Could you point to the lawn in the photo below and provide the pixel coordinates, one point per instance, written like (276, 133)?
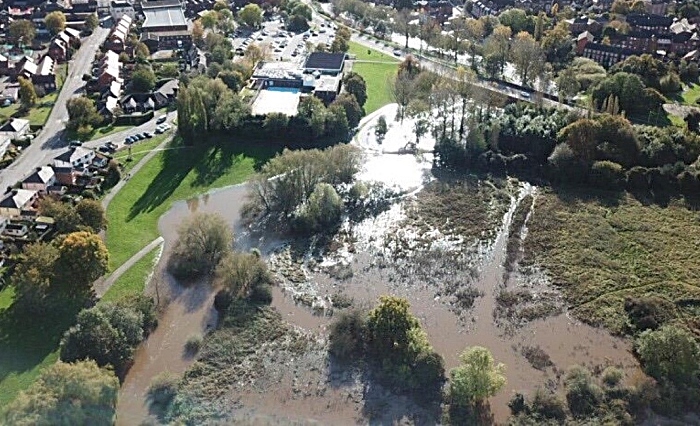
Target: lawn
(174, 174)
(378, 76)
(138, 151)
(601, 248)
(39, 113)
(691, 95)
(134, 279)
(106, 131)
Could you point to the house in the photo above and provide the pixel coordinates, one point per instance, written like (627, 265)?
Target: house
(108, 76)
(325, 63)
(66, 175)
(17, 230)
(4, 64)
(76, 158)
(606, 55)
(10, 93)
(109, 107)
(117, 38)
(25, 67)
(119, 8)
(40, 180)
(72, 33)
(45, 76)
(15, 128)
(138, 102)
(583, 39)
(166, 94)
(657, 23)
(17, 201)
(58, 50)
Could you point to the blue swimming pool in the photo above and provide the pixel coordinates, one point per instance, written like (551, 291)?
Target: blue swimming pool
(283, 89)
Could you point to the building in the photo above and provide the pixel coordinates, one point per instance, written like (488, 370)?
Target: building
(325, 63)
(5, 143)
(606, 55)
(17, 230)
(75, 158)
(15, 128)
(119, 8)
(657, 23)
(40, 180)
(165, 26)
(117, 38)
(109, 71)
(17, 202)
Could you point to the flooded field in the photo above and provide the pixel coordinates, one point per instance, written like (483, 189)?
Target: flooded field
(453, 275)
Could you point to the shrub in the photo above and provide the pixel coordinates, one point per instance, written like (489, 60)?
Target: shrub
(648, 312)
(607, 175)
(203, 240)
(261, 294)
(163, 388)
(347, 335)
(583, 396)
(222, 300)
(193, 344)
(548, 405)
(612, 376)
(670, 353)
(321, 212)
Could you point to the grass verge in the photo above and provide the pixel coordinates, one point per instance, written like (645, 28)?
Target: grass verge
(39, 113)
(133, 281)
(173, 174)
(601, 248)
(378, 76)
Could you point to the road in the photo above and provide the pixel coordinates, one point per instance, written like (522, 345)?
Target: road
(50, 141)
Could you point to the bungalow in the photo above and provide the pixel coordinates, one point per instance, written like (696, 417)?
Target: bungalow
(40, 180)
(76, 158)
(18, 201)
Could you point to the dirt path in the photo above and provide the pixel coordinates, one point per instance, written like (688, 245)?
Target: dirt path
(103, 285)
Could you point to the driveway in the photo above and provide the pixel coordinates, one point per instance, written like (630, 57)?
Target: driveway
(50, 141)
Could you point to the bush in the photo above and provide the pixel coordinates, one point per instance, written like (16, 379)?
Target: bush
(321, 212)
(193, 344)
(648, 312)
(203, 240)
(607, 175)
(583, 396)
(612, 376)
(163, 388)
(548, 405)
(347, 335)
(222, 300)
(261, 294)
(670, 353)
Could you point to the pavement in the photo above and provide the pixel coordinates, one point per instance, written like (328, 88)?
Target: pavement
(52, 139)
(101, 286)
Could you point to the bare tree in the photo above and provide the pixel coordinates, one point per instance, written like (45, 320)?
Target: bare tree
(527, 57)
(402, 92)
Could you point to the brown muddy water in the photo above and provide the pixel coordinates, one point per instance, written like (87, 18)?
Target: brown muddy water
(565, 340)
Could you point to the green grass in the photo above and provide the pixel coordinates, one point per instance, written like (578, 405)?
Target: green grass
(172, 175)
(133, 281)
(39, 113)
(378, 76)
(138, 151)
(600, 249)
(7, 295)
(691, 95)
(106, 131)
(363, 53)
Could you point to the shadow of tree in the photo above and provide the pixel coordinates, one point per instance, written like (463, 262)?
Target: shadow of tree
(26, 339)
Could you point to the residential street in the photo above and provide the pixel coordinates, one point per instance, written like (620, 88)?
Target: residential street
(50, 141)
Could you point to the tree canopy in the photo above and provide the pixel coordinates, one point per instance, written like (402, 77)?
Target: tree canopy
(477, 378)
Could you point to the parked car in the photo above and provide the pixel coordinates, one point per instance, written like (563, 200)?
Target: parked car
(104, 149)
(397, 52)
(75, 143)
(128, 140)
(147, 135)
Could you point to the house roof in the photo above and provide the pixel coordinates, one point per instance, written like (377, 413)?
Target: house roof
(3, 58)
(160, 3)
(115, 88)
(46, 66)
(325, 61)
(111, 104)
(29, 67)
(585, 35)
(72, 32)
(17, 199)
(169, 88)
(41, 175)
(71, 155)
(14, 125)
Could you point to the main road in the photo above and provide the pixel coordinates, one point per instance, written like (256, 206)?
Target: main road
(51, 140)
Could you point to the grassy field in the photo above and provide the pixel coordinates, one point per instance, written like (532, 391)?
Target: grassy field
(38, 114)
(600, 250)
(378, 76)
(174, 174)
(133, 280)
(691, 94)
(138, 151)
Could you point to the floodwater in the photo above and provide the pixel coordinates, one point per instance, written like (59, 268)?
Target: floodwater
(565, 340)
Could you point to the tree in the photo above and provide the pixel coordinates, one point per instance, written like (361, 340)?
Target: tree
(669, 353)
(209, 19)
(239, 273)
(582, 394)
(339, 45)
(567, 84)
(234, 80)
(107, 333)
(402, 92)
(389, 326)
(198, 33)
(80, 393)
(33, 275)
(141, 50)
(297, 23)
(27, 94)
(91, 214)
(65, 215)
(143, 80)
(558, 46)
(517, 20)
(474, 31)
(21, 32)
(527, 57)
(203, 240)
(477, 378)
(81, 113)
(251, 15)
(91, 22)
(497, 47)
(82, 259)
(353, 110)
(321, 212)
(55, 22)
(380, 128)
